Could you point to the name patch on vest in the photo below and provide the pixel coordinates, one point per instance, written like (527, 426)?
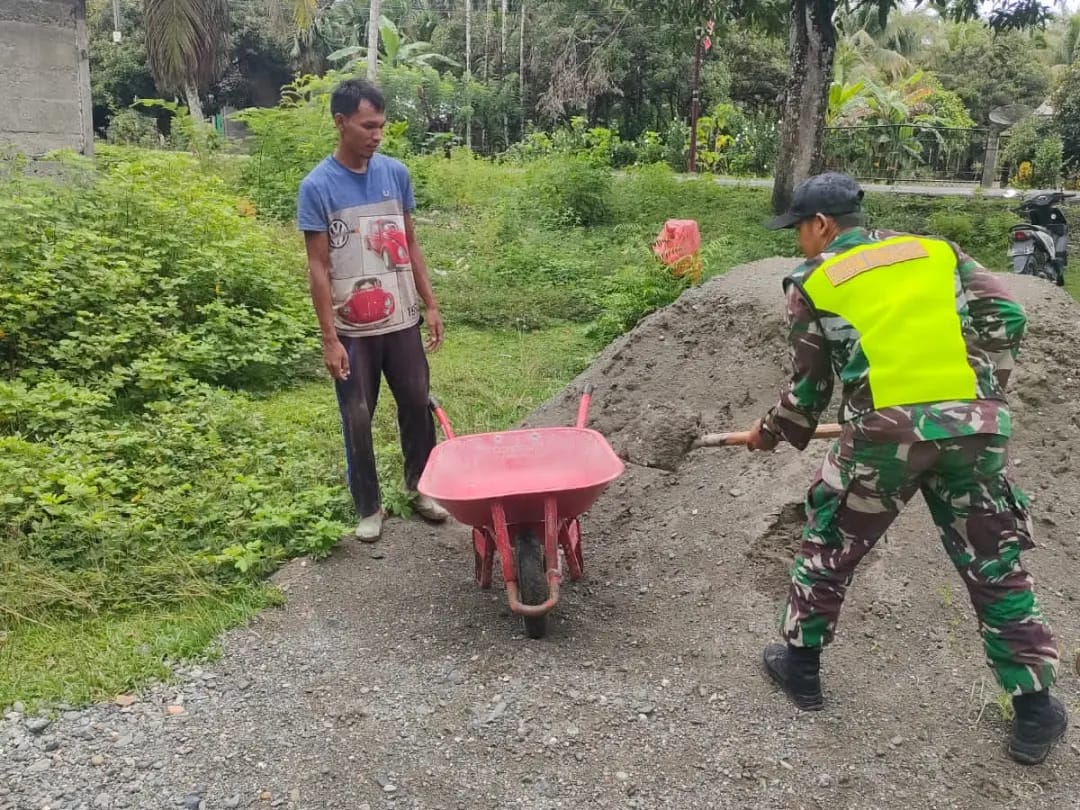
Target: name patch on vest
(850, 266)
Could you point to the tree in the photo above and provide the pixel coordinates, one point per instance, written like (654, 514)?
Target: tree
(989, 70)
(882, 52)
(186, 42)
(696, 21)
(758, 67)
(118, 71)
(811, 48)
(396, 51)
(468, 68)
(1068, 50)
(1067, 117)
(258, 59)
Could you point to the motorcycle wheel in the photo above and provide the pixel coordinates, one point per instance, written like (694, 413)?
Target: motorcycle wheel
(1041, 267)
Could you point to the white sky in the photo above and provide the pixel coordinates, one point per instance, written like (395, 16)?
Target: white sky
(1062, 6)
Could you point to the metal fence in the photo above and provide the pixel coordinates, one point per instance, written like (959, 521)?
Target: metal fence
(888, 153)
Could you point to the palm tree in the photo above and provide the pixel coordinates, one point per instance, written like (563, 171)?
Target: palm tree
(882, 52)
(186, 42)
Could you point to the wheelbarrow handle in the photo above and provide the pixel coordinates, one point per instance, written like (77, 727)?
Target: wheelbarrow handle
(583, 406)
(440, 414)
(829, 431)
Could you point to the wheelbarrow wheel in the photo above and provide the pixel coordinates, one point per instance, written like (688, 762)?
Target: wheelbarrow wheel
(532, 579)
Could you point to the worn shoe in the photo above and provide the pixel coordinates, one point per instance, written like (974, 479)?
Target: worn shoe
(369, 529)
(796, 670)
(1041, 720)
(427, 508)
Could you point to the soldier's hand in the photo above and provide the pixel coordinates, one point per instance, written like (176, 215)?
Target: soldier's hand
(760, 439)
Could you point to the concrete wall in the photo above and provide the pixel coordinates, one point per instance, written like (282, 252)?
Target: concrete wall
(45, 76)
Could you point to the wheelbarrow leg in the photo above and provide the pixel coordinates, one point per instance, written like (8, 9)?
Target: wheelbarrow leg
(570, 539)
(484, 551)
(502, 544)
(551, 544)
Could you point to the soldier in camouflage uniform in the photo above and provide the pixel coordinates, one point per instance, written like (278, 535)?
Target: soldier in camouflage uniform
(923, 340)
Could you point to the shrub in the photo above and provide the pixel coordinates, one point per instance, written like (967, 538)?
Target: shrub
(130, 128)
(289, 141)
(570, 191)
(956, 227)
(1048, 162)
(982, 224)
(631, 294)
(130, 301)
(462, 181)
(1035, 154)
(150, 276)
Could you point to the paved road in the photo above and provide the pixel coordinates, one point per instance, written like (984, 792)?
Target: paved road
(932, 190)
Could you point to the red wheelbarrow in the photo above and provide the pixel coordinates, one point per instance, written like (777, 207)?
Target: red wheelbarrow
(522, 492)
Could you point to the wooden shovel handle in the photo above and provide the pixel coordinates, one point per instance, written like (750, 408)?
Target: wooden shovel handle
(829, 431)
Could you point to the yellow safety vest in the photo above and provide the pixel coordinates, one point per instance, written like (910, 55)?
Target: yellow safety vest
(900, 295)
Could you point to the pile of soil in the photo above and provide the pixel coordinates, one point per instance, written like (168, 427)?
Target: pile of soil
(390, 680)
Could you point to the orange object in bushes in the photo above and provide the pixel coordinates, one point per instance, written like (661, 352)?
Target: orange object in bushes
(677, 246)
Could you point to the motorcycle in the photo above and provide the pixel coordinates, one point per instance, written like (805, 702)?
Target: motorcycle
(1039, 246)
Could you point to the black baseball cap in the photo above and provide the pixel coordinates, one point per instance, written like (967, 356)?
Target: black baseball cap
(831, 193)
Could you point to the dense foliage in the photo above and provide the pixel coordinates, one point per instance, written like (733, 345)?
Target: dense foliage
(911, 94)
(140, 301)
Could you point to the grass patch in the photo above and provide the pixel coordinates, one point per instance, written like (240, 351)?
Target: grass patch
(505, 255)
(1072, 281)
(76, 661)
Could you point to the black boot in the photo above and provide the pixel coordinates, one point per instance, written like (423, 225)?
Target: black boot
(1041, 720)
(796, 670)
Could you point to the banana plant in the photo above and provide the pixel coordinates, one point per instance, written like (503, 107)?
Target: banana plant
(844, 98)
(396, 52)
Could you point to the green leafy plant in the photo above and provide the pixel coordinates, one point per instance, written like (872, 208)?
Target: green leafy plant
(570, 191)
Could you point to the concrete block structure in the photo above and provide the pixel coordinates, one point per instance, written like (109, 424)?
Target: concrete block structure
(44, 77)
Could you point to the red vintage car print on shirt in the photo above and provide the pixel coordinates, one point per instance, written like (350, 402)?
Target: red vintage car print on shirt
(386, 238)
(370, 270)
(368, 304)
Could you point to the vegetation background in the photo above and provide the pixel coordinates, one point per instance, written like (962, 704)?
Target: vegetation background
(167, 436)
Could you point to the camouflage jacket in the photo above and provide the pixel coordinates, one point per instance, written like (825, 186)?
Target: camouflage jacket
(993, 324)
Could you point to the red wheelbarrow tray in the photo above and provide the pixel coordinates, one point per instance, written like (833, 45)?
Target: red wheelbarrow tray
(521, 469)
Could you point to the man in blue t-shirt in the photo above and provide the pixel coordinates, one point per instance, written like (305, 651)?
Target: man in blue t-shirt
(365, 270)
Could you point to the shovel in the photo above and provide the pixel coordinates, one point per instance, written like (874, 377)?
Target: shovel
(829, 431)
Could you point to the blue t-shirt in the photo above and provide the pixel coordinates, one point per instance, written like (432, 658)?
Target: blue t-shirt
(370, 269)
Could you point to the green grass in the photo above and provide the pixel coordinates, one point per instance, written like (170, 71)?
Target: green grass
(76, 661)
(487, 380)
(1072, 280)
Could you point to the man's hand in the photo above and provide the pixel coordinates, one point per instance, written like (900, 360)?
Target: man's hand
(761, 439)
(336, 359)
(434, 328)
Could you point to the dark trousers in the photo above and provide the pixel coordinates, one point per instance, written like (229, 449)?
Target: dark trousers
(400, 356)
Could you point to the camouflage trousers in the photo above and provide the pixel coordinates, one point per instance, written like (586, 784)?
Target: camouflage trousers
(984, 524)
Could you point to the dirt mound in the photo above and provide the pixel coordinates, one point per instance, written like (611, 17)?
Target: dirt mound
(714, 358)
(725, 524)
(697, 366)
